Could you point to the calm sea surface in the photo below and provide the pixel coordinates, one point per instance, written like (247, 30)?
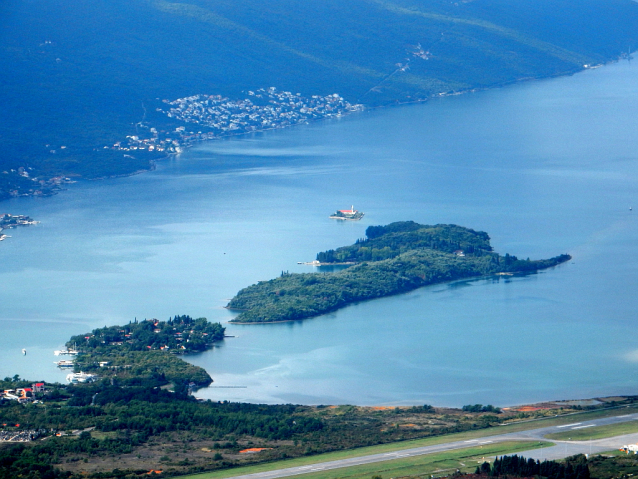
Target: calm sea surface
(545, 167)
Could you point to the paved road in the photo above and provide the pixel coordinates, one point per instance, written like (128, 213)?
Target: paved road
(560, 450)
(569, 448)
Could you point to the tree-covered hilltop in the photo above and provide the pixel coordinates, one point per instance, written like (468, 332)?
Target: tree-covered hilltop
(181, 334)
(393, 259)
(146, 352)
(143, 368)
(385, 242)
(81, 76)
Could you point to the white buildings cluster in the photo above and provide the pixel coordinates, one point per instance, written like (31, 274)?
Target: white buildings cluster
(22, 395)
(264, 109)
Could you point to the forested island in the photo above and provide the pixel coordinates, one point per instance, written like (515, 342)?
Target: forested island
(392, 259)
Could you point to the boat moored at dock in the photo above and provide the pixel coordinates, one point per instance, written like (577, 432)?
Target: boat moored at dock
(66, 352)
(65, 363)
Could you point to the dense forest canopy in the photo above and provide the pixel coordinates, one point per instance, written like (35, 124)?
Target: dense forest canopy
(393, 259)
(385, 242)
(180, 333)
(78, 76)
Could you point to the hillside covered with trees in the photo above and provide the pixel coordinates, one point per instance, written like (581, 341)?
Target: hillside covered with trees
(79, 77)
(180, 334)
(147, 353)
(392, 259)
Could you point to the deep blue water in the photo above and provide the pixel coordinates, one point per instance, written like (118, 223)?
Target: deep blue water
(544, 167)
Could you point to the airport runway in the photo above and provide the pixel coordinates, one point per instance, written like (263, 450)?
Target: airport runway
(560, 450)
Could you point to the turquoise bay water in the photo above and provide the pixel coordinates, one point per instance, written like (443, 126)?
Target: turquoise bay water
(544, 167)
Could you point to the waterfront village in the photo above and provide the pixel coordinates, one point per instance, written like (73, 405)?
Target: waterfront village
(207, 117)
(11, 221)
(264, 109)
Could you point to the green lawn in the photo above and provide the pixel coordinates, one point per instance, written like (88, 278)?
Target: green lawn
(599, 432)
(464, 459)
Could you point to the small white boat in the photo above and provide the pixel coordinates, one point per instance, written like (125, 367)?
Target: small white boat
(65, 363)
(24, 351)
(66, 352)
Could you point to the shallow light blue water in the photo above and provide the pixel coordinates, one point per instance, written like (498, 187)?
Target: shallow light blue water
(544, 167)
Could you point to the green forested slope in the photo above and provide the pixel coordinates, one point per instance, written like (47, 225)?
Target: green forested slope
(145, 353)
(394, 259)
(82, 74)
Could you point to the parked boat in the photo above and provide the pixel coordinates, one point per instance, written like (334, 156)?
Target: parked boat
(67, 352)
(65, 363)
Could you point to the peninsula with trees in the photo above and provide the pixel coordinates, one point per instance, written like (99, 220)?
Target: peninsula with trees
(130, 422)
(147, 353)
(392, 259)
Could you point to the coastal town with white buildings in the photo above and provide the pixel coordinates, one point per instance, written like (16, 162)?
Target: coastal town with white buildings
(264, 109)
(193, 119)
(185, 121)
